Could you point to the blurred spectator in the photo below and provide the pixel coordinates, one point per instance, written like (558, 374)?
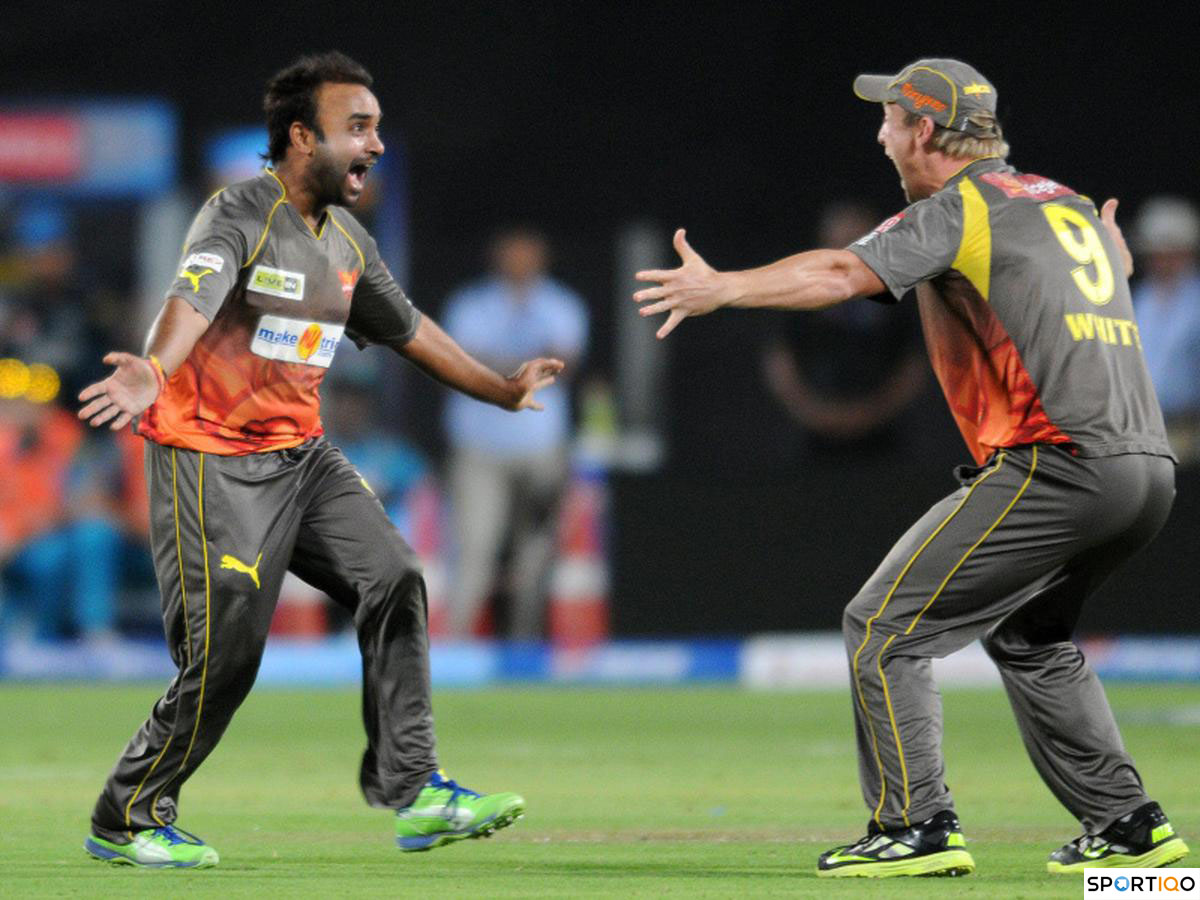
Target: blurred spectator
(53, 564)
(845, 374)
(73, 521)
(47, 316)
(507, 472)
(1166, 237)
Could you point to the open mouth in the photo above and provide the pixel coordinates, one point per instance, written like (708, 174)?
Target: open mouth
(357, 174)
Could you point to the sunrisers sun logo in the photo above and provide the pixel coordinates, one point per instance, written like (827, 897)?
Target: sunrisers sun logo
(348, 280)
(296, 340)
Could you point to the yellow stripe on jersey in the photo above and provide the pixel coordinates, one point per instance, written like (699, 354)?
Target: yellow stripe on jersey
(267, 228)
(353, 243)
(974, 259)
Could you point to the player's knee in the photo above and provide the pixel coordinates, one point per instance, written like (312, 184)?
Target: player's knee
(230, 673)
(854, 618)
(398, 578)
(402, 565)
(1004, 646)
(1011, 648)
(993, 646)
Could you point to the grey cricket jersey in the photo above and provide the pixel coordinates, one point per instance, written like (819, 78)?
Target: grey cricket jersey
(1026, 313)
(280, 297)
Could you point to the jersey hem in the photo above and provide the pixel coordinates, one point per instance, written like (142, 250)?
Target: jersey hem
(1123, 448)
(1099, 451)
(230, 450)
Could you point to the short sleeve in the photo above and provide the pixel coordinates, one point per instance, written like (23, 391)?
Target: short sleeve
(915, 245)
(214, 252)
(380, 312)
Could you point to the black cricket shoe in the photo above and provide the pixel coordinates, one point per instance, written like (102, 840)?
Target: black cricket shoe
(1144, 839)
(933, 847)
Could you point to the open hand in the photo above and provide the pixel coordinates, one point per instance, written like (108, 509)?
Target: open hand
(1108, 215)
(694, 289)
(128, 391)
(531, 378)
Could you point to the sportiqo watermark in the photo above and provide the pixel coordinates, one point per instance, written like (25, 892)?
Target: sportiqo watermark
(1141, 883)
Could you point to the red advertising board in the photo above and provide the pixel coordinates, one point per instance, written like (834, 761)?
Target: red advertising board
(40, 146)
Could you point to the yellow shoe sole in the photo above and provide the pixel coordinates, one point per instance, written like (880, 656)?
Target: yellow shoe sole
(948, 863)
(1163, 855)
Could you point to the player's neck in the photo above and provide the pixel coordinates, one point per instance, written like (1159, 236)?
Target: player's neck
(300, 194)
(933, 172)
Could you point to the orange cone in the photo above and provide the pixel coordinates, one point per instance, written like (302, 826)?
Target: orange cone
(578, 607)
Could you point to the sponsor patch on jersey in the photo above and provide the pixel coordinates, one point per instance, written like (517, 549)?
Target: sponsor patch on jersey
(1028, 187)
(194, 278)
(205, 260)
(296, 340)
(277, 282)
(885, 225)
(348, 280)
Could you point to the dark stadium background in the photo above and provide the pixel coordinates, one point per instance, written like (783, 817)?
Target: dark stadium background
(736, 121)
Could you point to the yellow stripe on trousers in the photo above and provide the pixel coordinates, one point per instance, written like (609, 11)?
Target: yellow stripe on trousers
(862, 700)
(207, 632)
(941, 587)
(187, 631)
(187, 625)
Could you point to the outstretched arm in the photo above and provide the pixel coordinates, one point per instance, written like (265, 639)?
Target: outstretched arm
(808, 280)
(440, 357)
(137, 380)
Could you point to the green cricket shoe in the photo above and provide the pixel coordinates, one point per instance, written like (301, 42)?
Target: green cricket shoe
(933, 847)
(156, 848)
(444, 812)
(1144, 839)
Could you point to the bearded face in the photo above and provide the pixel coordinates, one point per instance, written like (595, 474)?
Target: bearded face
(348, 144)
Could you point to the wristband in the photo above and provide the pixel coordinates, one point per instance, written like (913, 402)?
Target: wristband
(159, 375)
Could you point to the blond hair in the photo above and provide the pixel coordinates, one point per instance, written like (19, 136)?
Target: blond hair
(959, 144)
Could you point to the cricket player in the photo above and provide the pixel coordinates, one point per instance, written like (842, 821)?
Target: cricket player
(1024, 301)
(244, 487)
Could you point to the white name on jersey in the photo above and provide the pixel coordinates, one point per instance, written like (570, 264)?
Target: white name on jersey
(296, 340)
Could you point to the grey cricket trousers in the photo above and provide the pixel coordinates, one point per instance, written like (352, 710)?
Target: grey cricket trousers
(1009, 558)
(224, 530)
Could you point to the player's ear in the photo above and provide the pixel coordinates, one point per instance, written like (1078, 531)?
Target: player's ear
(925, 130)
(302, 138)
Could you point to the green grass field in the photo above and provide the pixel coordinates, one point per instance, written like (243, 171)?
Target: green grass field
(691, 792)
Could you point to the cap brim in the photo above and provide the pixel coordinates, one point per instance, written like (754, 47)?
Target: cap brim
(873, 88)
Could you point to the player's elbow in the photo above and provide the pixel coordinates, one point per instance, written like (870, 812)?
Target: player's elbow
(853, 278)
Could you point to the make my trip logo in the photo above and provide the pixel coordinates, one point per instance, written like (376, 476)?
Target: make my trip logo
(296, 341)
(309, 341)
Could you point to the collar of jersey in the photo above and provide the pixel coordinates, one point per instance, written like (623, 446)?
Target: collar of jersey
(318, 233)
(984, 163)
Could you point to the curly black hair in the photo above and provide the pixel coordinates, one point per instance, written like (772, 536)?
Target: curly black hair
(292, 95)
